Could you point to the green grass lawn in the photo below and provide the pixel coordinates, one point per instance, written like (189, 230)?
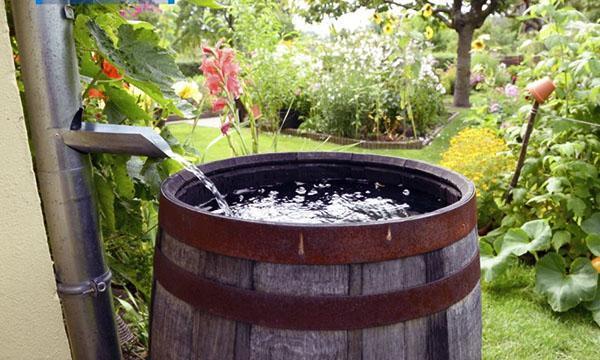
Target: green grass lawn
(203, 136)
(517, 323)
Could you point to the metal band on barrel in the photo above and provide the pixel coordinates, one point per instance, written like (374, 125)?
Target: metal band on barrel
(317, 245)
(315, 312)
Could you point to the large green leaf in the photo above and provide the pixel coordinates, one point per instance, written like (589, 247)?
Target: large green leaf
(493, 265)
(594, 305)
(127, 105)
(591, 225)
(516, 241)
(540, 233)
(593, 243)
(565, 290)
(144, 63)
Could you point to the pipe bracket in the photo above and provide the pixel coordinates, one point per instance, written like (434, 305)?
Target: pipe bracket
(69, 12)
(94, 286)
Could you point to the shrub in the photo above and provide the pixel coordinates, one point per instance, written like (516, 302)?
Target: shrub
(373, 85)
(481, 155)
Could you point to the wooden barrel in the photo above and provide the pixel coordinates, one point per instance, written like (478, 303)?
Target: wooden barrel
(228, 288)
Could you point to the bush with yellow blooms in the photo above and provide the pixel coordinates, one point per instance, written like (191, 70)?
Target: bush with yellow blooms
(482, 156)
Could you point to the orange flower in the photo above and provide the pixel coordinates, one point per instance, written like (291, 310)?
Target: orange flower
(94, 93)
(110, 70)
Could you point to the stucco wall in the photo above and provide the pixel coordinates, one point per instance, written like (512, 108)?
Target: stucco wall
(31, 325)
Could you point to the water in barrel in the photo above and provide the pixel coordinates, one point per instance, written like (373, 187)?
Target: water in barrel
(328, 201)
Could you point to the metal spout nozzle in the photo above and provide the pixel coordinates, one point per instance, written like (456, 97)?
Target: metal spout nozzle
(117, 139)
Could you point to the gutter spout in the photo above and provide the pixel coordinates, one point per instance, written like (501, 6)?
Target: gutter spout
(51, 77)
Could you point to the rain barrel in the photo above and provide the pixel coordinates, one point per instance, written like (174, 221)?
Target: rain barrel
(228, 288)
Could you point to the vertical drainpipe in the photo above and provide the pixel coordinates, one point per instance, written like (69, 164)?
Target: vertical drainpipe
(51, 77)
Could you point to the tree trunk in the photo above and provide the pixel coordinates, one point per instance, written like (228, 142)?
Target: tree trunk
(462, 84)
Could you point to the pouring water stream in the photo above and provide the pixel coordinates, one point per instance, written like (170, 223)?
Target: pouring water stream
(204, 180)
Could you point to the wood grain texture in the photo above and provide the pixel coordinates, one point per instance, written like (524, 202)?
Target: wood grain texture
(355, 288)
(390, 342)
(464, 317)
(172, 319)
(179, 332)
(216, 338)
(267, 344)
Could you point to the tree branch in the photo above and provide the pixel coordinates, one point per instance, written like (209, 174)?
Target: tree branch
(439, 15)
(438, 11)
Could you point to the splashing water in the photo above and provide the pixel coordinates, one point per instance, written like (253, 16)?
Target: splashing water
(204, 180)
(328, 201)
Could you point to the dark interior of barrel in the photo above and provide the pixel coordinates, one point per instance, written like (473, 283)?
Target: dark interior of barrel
(240, 176)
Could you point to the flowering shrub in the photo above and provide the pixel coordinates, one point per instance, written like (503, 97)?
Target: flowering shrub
(372, 85)
(482, 156)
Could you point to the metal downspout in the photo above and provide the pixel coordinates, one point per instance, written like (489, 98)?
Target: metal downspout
(51, 77)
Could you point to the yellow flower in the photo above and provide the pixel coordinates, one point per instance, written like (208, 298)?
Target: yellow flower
(187, 90)
(377, 18)
(388, 29)
(478, 45)
(427, 10)
(428, 33)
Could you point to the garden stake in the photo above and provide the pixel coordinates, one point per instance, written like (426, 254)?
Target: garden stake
(540, 90)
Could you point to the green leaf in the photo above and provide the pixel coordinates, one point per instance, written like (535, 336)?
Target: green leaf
(554, 185)
(493, 265)
(123, 183)
(577, 206)
(540, 233)
(144, 63)
(594, 305)
(593, 243)
(591, 225)
(565, 290)
(106, 200)
(516, 241)
(560, 238)
(532, 236)
(81, 33)
(127, 105)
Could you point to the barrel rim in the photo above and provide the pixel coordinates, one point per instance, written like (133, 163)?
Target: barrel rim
(342, 243)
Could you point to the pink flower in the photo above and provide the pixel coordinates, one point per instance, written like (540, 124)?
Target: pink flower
(476, 79)
(225, 127)
(495, 107)
(221, 71)
(233, 86)
(213, 83)
(219, 104)
(511, 90)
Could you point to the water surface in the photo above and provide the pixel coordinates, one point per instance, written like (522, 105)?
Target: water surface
(328, 201)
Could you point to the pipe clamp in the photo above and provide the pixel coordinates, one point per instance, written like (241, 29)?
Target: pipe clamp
(94, 286)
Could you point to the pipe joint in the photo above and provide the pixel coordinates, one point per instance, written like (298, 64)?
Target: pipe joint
(94, 286)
